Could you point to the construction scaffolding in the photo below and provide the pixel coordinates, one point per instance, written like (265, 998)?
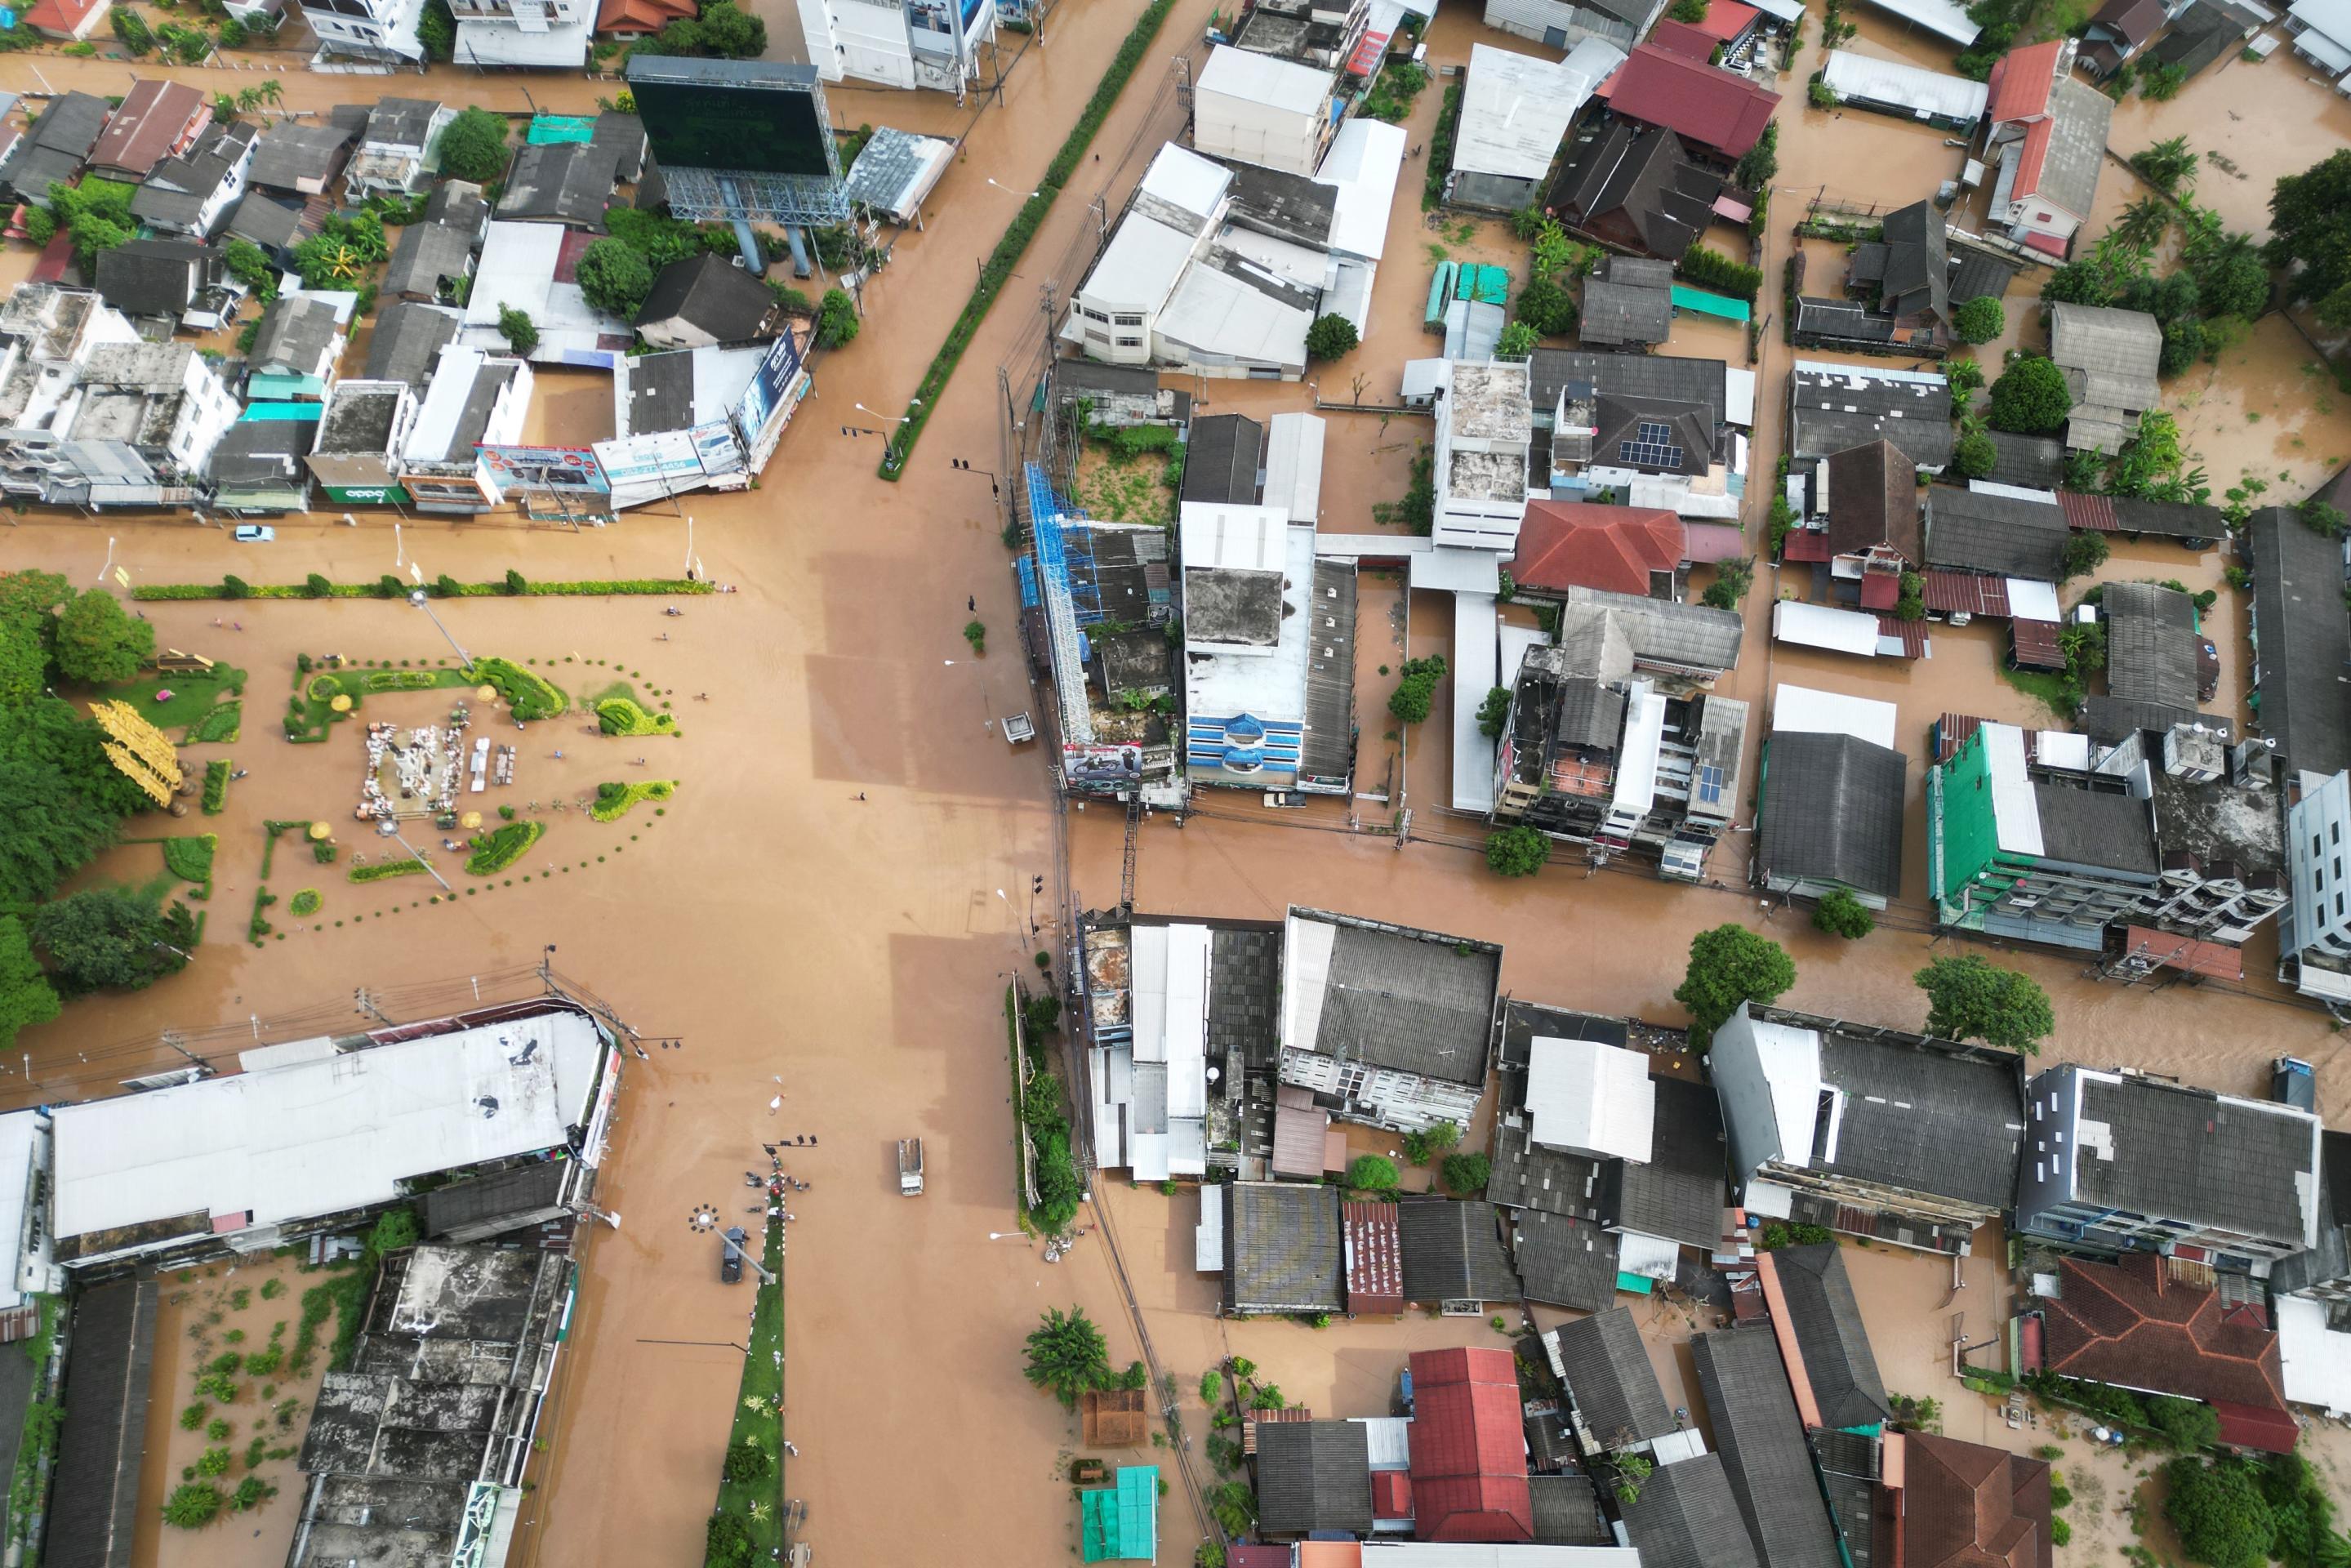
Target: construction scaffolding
(1046, 511)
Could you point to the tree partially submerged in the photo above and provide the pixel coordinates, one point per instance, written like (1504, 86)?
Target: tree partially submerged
(1066, 1355)
(1967, 998)
(1730, 965)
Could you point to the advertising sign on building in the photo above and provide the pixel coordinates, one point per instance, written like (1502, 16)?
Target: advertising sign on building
(1102, 769)
(775, 389)
(572, 468)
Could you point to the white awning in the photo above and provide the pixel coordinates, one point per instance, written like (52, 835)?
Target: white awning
(496, 44)
(1822, 626)
(1208, 1236)
(1806, 710)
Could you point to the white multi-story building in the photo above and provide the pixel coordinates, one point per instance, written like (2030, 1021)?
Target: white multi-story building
(546, 33)
(1485, 431)
(2315, 928)
(373, 32)
(1170, 220)
(1262, 109)
(899, 43)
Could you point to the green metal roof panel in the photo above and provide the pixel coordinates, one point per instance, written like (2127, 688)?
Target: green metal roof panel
(548, 130)
(1705, 304)
(1121, 1523)
(279, 389)
(296, 411)
(1970, 832)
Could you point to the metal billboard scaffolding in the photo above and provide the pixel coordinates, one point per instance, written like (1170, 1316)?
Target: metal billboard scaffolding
(739, 196)
(1045, 513)
(773, 113)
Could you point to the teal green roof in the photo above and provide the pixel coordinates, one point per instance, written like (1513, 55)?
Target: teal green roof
(1706, 304)
(550, 128)
(1121, 1521)
(279, 389)
(290, 410)
(1637, 1284)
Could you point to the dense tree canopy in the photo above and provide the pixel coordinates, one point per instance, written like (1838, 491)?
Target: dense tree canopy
(2030, 397)
(2220, 1512)
(474, 146)
(1066, 1355)
(614, 277)
(2310, 231)
(1978, 320)
(108, 938)
(25, 995)
(98, 644)
(1730, 965)
(1967, 998)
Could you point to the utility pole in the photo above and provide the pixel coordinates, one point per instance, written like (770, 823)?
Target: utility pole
(171, 1038)
(363, 1002)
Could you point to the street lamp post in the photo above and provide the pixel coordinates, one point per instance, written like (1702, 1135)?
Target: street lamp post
(890, 442)
(401, 841)
(419, 600)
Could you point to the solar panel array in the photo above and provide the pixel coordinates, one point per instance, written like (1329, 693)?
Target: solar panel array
(1653, 443)
(1709, 783)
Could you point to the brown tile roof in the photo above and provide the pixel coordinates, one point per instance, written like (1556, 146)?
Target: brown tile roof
(1968, 1506)
(1874, 500)
(157, 119)
(2130, 1322)
(1112, 1418)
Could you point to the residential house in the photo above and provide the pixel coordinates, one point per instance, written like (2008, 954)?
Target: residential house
(1833, 789)
(140, 426)
(2141, 1322)
(1388, 1025)
(628, 19)
(2122, 1162)
(428, 262)
(2301, 639)
(2320, 32)
(1567, 1514)
(48, 334)
(2320, 1275)
(1945, 18)
(1832, 408)
(370, 32)
(506, 34)
(2117, 33)
(162, 278)
(1257, 109)
(1515, 111)
(931, 44)
(1889, 87)
(2154, 646)
(191, 193)
(1818, 1323)
(407, 342)
(459, 204)
(1223, 458)
(299, 342)
(398, 134)
(1182, 1012)
(2045, 133)
(53, 152)
(2314, 929)
(304, 159)
(277, 227)
(1325, 33)
(157, 119)
(1995, 535)
(566, 182)
(1174, 208)
(1562, 24)
(1452, 1256)
(1629, 302)
(360, 434)
(1468, 1448)
(1716, 113)
(1874, 531)
(533, 268)
(1684, 648)
(1686, 1513)
(1314, 1478)
(259, 468)
(1616, 1405)
(67, 21)
(707, 300)
(1484, 430)
(2110, 358)
(1954, 1502)
(1633, 187)
(1282, 1248)
(1746, 1387)
(2205, 32)
(474, 400)
(1871, 1132)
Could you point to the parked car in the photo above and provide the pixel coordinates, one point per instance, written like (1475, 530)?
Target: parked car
(730, 1261)
(254, 534)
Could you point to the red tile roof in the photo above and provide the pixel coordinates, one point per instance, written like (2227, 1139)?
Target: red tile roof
(1968, 592)
(1967, 1506)
(2022, 82)
(1374, 1254)
(1880, 590)
(2130, 1322)
(157, 119)
(2249, 1427)
(1911, 634)
(1806, 544)
(2170, 949)
(2083, 511)
(1713, 108)
(640, 16)
(1391, 1494)
(2033, 644)
(61, 16)
(1691, 43)
(2033, 156)
(1575, 544)
(1468, 1448)
(1726, 19)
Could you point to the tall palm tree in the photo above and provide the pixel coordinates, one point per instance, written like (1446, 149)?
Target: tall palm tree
(2144, 222)
(271, 90)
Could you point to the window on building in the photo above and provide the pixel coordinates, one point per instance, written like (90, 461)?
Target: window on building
(1124, 319)
(1129, 342)
(2334, 832)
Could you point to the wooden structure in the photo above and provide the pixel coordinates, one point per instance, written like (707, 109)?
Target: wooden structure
(1113, 1419)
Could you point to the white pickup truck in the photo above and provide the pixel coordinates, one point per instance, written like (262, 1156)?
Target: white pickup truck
(910, 1167)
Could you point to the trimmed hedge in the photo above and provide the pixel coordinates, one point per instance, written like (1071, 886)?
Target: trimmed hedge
(526, 693)
(190, 858)
(501, 847)
(613, 802)
(1713, 269)
(220, 723)
(382, 869)
(216, 797)
(619, 716)
(593, 588)
(1023, 228)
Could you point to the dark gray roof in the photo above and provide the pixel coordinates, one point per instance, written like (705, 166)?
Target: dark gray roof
(1873, 501)
(1313, 1475)
(53, 152)
(289, 155)
(426, 256)
(1282, 1248)
(711, 292)
(1826, 1322)
(1221, 452)
(2178, 1153)
(2095, 827)
(1412, 1002)
(2028, 461)
(1678, 1193)
(1567, 1512)
(2204, 32)
(2150, 643)
(1328, 747)
(457, 204)
(175, 191)
(1625, 313)
(1528, 1176)
(1618, 436)
(1565, 1262)
(1848, 320)
(409, 337)
(1848, 1471)
(1761, 1440)
(267, 223)
(624, 136)
(1285, 205)
(661, 395)
(2112, 720)
(1692, 635)
(1919, 1116)
(1847, 405)
(2302, 641)
(1664, 377)
(1979, 275)
(1637, 178)
(401, 121)
(295, 331)
(1452, 1253)
(1917, 281)
(32, 170)
(259, 451)
(1591, 714)
(1609, 1377)
(564, 183)
(1685, 1517)
(1833, 812)
(515, 1194)
(95, 1489)
(1244, 993)
(1973, 531)
(156, 277)
(2330, 1260)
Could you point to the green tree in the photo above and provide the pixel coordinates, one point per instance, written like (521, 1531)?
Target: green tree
(726, 1541)
(1755, 168)
(1978, 320)
(519, 329)
(1066, 1355)
(1372, 1173)
(474, 146)
(747, 1461)
(1965, 378)
(192, 1504)
(1967, 998)
(2219, 1511)
(28, 632)
(2168, 165)
(1732, 580)
(1494, 713)
(2188, 1425)
(2030, 397)
(394, 1230)
(1416, 689)
(25, 997)
(2183, 345)
(2144, 222)
(1840, 913)
(1547, 308)
(614, 277)
(436, 29)
(1690, 10)
(1467, 1174)
(1425, 1144)
(54, 734)
(1910, 597)
(836, 318)
(732, 33)
(2230, 275)
(2161, 83)
(54, 828)
(1517, 851)
(98, 644)
(1517, 341)
(248, 264)
(1330, 336)
(109, 939)
(1730, 965)
(1973, 455)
